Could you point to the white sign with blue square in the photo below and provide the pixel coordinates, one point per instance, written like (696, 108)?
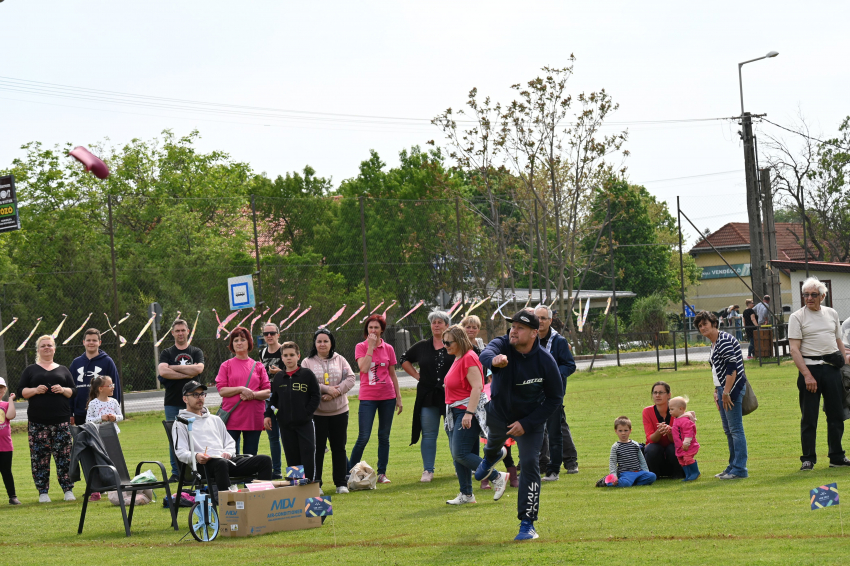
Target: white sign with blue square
(241, 291)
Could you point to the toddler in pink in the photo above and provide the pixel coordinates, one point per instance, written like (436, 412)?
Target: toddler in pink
(685, 436)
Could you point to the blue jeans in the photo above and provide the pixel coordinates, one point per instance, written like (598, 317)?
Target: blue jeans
(628, 479)
(430, 419)
(365, 419)
(733, 426)
(252, 440)
(170, 415)
(464, 444)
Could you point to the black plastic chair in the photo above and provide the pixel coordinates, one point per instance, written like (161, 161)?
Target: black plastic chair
(116, 477)
(185, 475)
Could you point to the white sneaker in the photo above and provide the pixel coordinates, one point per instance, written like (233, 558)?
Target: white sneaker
(342, 489)
(462, 499)
(551, 477)
(69, 496)
(43, 498)
(499, 484)
(321, 492)
(233, 488)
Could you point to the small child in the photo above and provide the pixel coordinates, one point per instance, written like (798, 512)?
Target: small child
(7, 413)
(627, 464)
(295, 397)
(102, 408)
(685, 436)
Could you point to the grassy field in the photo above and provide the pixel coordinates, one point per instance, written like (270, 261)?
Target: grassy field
(761, 520)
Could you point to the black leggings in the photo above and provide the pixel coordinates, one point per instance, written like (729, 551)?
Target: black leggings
(6, 471)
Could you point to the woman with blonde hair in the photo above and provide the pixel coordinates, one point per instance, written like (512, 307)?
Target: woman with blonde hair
(471, 324)
(47, 386)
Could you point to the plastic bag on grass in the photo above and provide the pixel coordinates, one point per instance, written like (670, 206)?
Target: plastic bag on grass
(362, 477)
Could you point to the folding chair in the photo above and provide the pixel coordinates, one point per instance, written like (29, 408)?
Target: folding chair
(115, 477)
(185, 475)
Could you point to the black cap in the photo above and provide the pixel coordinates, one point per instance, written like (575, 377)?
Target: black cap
(191, 386)
(526, 318)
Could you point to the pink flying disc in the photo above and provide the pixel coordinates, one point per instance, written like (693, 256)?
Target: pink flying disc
(90, 161)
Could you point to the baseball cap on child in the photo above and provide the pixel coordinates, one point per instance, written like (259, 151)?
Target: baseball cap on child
(2, 382)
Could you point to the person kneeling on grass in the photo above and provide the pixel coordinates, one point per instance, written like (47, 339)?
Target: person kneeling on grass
(217, 459)
(627, 465)
(685, 437)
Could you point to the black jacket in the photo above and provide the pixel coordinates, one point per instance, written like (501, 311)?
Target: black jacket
(295, 397)
(88, 437)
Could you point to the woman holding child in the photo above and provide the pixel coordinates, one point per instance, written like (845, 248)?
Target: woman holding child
(660, 451)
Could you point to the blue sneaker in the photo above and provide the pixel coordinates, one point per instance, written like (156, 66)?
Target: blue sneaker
(485, 468)
(526, 531)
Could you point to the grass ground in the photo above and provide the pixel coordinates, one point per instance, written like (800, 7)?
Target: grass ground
(761, 520)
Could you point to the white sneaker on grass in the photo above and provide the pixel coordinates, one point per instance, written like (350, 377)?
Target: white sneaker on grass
(551, 476)
(342, 489)
(69, 496)
(43, 498)
(499, 484)
(462, 499)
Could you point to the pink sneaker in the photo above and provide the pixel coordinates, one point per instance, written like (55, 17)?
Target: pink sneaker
(427, 476)
(94, 496)
(382, 478)
(485, 484)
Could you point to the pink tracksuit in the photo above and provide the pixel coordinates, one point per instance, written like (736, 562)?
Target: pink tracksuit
(683, 428)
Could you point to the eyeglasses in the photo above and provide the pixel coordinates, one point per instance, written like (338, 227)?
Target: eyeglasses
(811, 295)
(110, 385)
(197, 395)
(269, 333)
(448, 342)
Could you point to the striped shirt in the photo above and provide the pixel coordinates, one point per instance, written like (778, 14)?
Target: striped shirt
(626, 457)
(725, 358)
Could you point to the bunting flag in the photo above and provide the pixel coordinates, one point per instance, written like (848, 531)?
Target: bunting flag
(223, 323)
(194, 326)
(217, 318)
(122, 341)
(527, 302)
(452, 310)
(161, 340)
(271, 316)
(37, 322)
(297, 317)
(478, 304)
(363, 306)
(69, 338)
(123, 319)
(8, 326)
(583, 319)
(371, 313)
(555, 300)
(334, 317)
(147, 325)
(500, 307)
(386, 310)
(254, 321)
(240, 323)
(608, 306)
(295, 310)
(58, 328)
(419, 304)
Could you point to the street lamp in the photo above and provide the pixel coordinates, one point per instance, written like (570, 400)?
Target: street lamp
(740, 83)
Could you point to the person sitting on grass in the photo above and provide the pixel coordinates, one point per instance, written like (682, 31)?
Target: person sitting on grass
(217, 460)
(685, 437)
(626, 464)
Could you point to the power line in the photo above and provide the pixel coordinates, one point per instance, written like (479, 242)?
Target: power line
(696, 176)
(805, 135)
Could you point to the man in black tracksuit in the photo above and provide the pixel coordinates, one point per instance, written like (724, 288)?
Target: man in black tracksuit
(295, 397)
(526, 389)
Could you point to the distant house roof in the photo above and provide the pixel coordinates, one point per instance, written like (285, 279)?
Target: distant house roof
(736, 236)
(813, 266)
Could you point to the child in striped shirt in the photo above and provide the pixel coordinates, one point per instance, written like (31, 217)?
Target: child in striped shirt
(627, 464)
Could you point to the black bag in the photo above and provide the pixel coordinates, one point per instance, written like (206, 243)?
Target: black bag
(834, 359)
(225, 415)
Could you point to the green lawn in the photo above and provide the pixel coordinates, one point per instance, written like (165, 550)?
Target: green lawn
(761, 520)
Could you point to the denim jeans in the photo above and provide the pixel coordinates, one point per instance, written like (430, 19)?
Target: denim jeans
(733, 426)
(274, 447)
(252, 440)
(170, 415)
(464, 444)
(628, 479)
(430, 419)
(365, 419)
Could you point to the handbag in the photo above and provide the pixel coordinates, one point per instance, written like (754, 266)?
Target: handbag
(749, 402)
(225, 415)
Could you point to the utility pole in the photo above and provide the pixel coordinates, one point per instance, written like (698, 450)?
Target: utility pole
(771, 253)
(753, 209)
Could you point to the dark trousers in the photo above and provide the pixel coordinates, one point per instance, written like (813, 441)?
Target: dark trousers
(6, 471)
(751, 340)
(557, 448)
(662, 461)
(828, 379)
(333, 430)
(220, 470)
(252, 441)
(299, 447)
(529, 444)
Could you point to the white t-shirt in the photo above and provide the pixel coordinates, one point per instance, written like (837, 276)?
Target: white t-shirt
(845, 331)
(818, 331)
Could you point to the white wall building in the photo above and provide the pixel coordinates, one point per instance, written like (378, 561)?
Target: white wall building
(836, 277)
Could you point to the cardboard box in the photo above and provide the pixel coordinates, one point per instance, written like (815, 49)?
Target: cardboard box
(248, 513)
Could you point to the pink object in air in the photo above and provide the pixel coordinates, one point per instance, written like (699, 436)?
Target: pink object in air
(90, 161)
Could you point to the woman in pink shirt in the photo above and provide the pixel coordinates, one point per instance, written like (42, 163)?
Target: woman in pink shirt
(234, 387)
(379, 393)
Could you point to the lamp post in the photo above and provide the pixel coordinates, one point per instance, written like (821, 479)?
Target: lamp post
(753, 208)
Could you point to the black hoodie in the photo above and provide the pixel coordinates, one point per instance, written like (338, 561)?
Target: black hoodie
(296, 397)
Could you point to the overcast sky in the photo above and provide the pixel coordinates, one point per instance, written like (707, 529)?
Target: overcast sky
(658, 60)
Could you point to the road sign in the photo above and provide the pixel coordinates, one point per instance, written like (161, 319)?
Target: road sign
(241, 292)
(9, 219)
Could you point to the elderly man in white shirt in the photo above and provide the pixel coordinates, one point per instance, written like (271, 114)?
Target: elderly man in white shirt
(818, 352)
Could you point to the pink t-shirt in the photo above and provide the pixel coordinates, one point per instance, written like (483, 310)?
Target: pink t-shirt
(5, 429)
(234, 373)
(376, 385)
(456, 384)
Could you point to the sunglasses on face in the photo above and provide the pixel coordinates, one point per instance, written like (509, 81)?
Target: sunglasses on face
(269, 333)
(448, 342)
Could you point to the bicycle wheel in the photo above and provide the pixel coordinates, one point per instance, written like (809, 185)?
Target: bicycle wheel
(203, 521)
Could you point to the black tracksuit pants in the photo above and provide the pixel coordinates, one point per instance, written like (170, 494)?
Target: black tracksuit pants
(831, 389)
(299, 447)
